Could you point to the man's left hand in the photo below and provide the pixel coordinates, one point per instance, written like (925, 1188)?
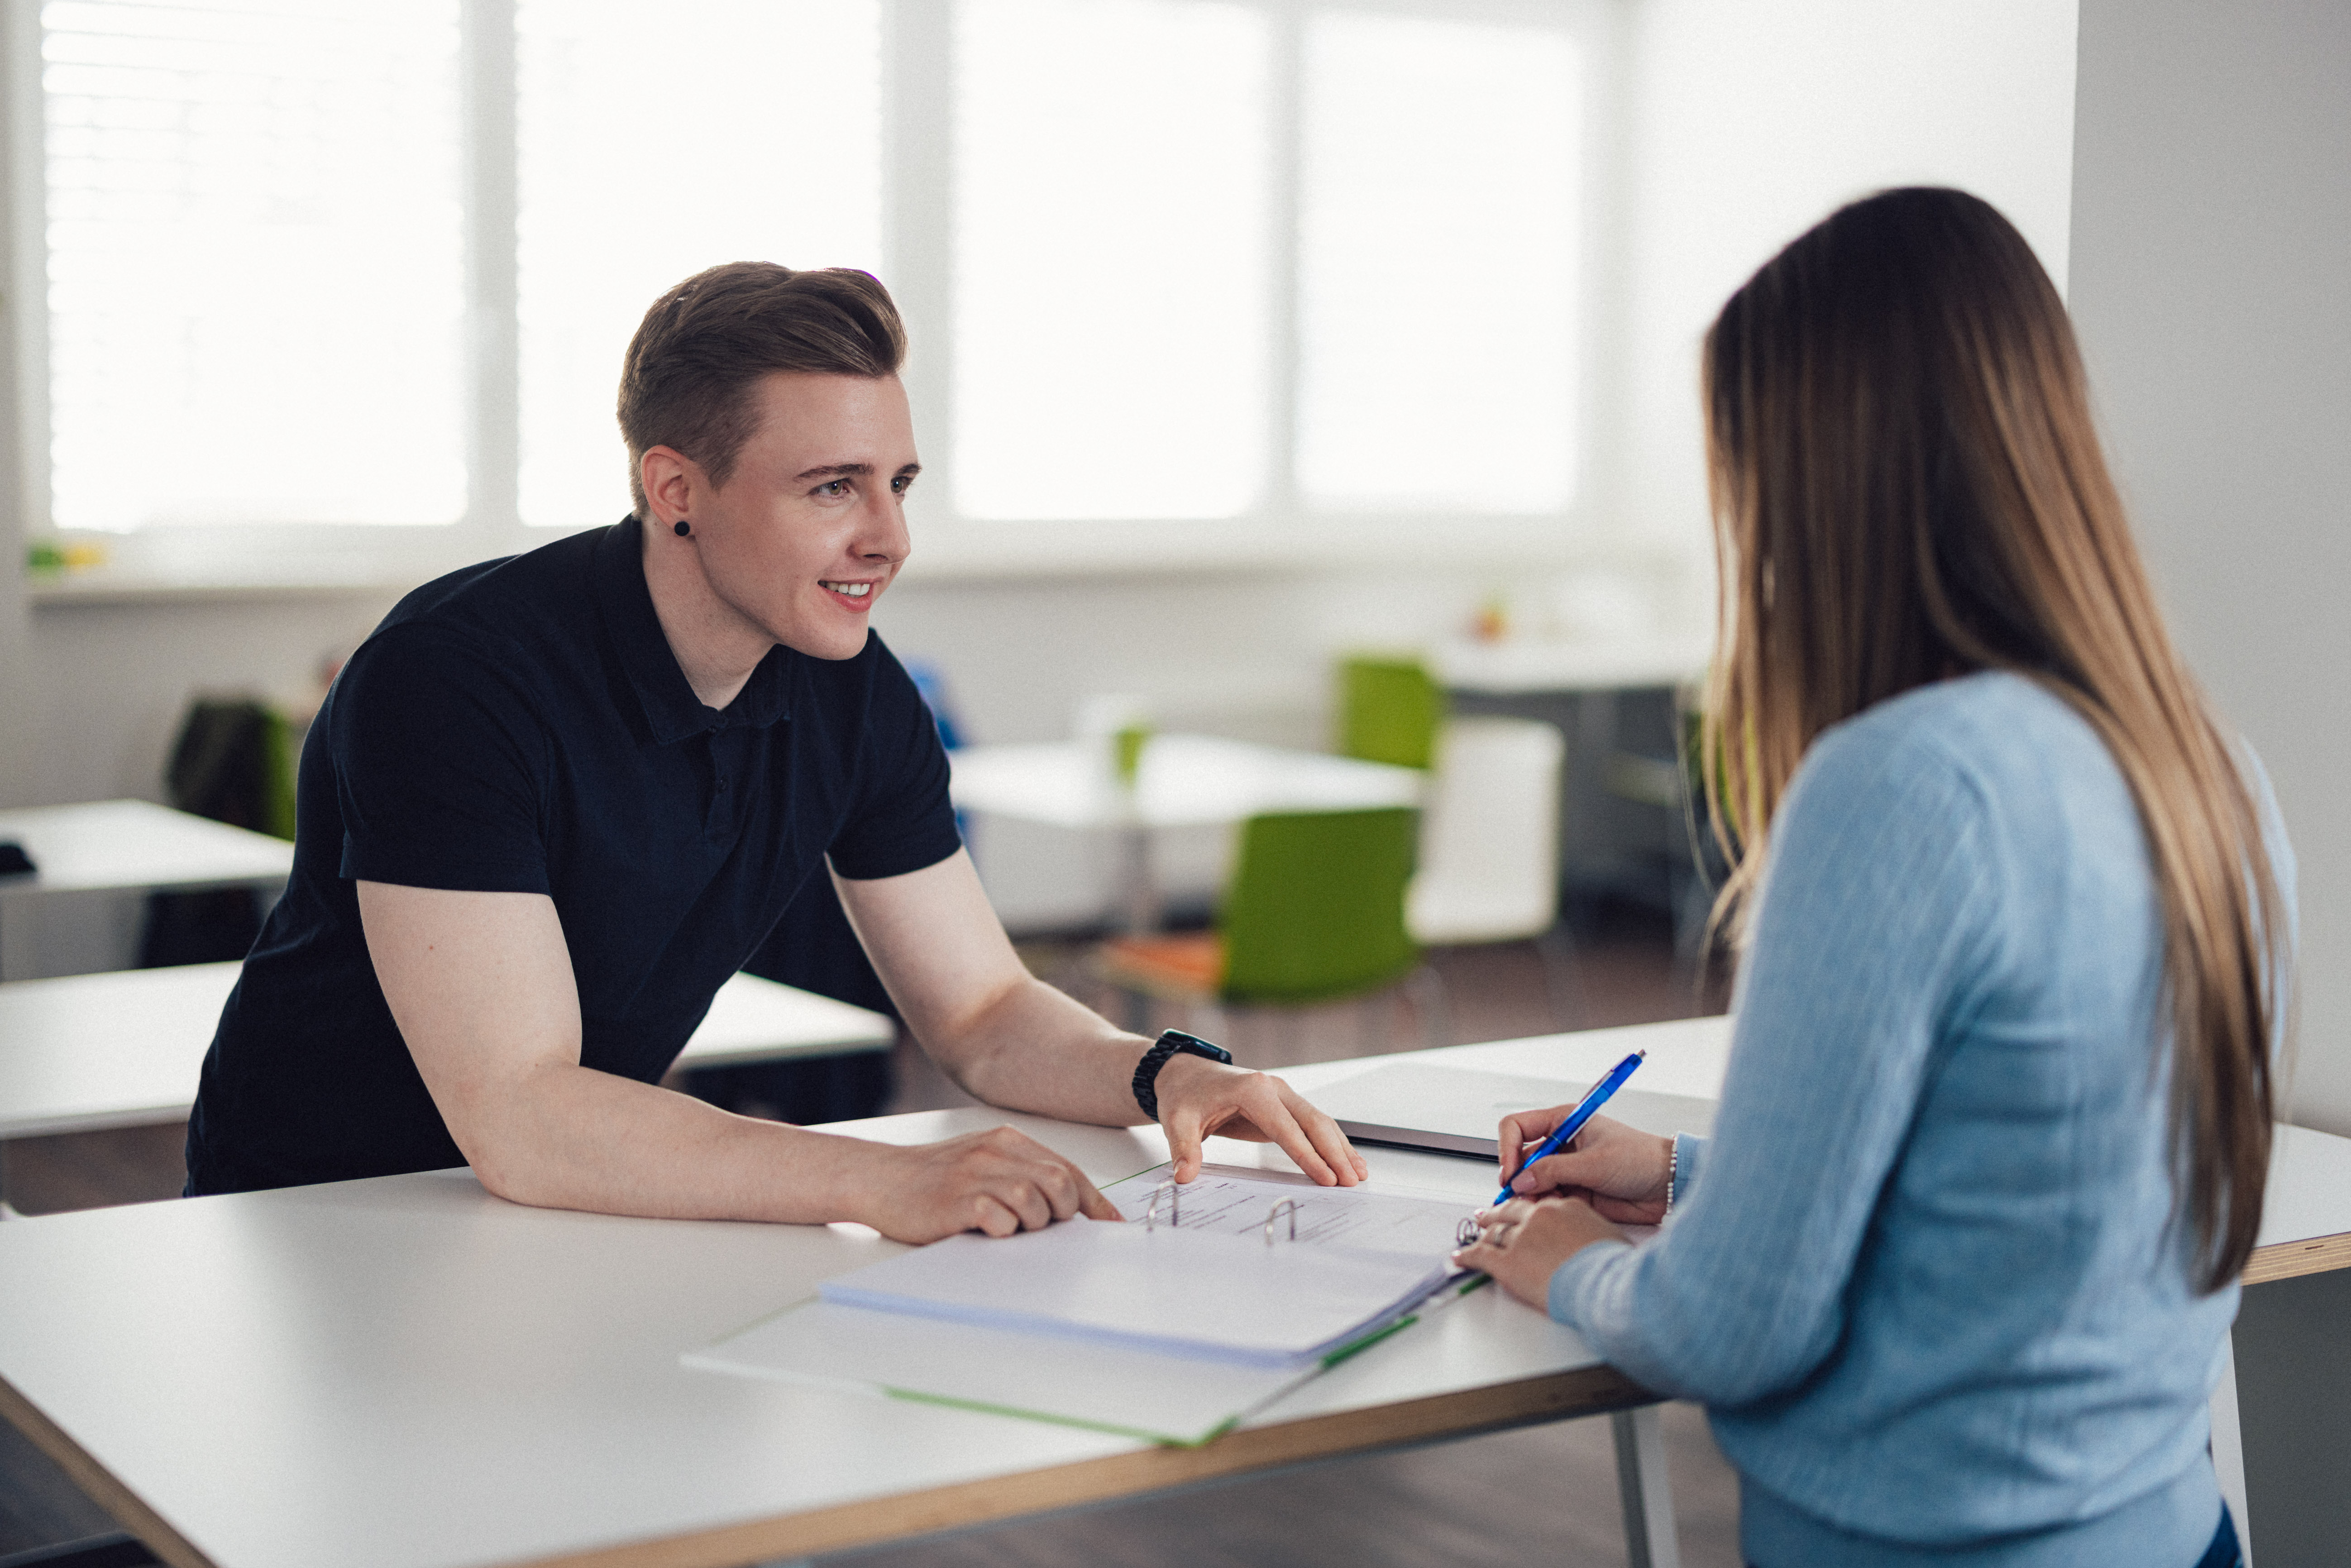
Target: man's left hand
(1522, 1243)
(1198, 1097)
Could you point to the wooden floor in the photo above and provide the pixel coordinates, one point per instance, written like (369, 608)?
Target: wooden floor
(1543, 1495)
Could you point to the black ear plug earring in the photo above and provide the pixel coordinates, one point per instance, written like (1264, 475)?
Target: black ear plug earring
(682, 528)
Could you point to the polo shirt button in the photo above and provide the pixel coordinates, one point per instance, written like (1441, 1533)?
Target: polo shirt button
(722, 783)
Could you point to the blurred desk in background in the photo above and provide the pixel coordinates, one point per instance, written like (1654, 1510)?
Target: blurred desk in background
(1055, 836)
(1540, 665)
(1621, 827)
(87, 1052)
(124, 846)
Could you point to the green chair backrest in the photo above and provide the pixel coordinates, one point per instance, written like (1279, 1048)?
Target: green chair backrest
(1315, 908)
(1388, 711)
(233, 762)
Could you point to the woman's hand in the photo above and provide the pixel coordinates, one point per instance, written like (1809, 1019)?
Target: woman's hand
(1522, 1243)
(1198, 1097)
(1622, 1173)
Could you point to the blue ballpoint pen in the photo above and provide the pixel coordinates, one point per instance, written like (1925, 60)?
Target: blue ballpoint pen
(1595, 1099)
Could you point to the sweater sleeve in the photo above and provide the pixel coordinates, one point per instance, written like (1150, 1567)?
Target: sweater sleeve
(1878, 919)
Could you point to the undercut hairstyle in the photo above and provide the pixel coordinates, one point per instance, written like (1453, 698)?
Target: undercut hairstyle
(1907, 485)
(688, 380)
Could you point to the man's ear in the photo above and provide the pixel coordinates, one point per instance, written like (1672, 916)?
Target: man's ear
(673, 481)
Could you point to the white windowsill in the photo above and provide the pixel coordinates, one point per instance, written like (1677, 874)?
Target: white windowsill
(227, 567)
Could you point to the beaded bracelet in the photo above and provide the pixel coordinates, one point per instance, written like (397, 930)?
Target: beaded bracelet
(1672, 1171)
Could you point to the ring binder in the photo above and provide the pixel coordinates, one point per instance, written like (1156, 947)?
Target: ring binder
(1468, 1231)
(1275, 1213)
(1174, 1195)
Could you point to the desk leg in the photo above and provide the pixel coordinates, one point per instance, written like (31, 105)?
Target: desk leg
(2229, 1448)
(1649, 1498)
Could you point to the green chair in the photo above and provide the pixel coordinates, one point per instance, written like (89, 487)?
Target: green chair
(1388, 711)
(1315, 912)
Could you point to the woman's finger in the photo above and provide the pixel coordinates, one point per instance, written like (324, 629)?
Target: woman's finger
(992, 1216)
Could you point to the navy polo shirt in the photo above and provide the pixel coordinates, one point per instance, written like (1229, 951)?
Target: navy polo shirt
(522, 727)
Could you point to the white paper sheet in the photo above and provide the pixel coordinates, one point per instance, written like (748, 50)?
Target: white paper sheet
(1228, 1201)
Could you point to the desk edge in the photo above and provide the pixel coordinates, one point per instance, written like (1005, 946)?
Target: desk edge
(2291, 1260)
(128, 1508)
(1587, 1391)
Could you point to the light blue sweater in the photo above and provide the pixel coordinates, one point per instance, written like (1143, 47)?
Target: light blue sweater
(1929, 1282)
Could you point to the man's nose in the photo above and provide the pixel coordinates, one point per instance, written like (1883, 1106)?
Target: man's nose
(881, 535)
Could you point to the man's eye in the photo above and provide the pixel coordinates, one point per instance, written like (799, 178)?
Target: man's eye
(835, 488)
(898, 485)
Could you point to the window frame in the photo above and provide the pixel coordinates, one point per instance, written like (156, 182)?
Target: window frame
(1282, 531)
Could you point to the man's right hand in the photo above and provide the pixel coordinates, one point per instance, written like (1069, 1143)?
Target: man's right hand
(1000, 1181)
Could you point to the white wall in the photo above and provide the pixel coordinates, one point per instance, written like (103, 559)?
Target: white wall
(2212, 291)
(1753, 119)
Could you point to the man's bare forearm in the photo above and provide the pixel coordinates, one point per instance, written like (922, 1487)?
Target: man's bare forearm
(1036, 1048)
(571, 1137)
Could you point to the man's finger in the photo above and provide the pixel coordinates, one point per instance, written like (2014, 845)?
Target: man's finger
(1027, 1198)
(1183, 1129)
(1094, 1205)
(1345, 1164)
(1278, 1123)
(1060, 1182)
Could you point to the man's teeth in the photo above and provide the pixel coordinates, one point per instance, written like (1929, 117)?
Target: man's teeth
(854, 590)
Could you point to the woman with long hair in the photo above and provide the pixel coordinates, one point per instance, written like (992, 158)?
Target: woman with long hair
(1954, 1271)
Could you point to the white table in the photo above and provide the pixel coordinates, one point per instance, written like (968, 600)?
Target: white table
(1534, 665)
(1057, 841)
(126, 846)
(83, 1052)
(406, 1372)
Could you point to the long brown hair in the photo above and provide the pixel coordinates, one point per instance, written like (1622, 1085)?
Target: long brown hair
(1907, 485)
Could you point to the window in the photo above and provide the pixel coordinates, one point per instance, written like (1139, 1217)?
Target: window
(1208, 274)
(732, 130)
(255, 262)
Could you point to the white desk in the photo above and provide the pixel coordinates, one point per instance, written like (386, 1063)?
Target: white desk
(1545, 665)
(83, 1052)
(1056, 842)
(406, 1372)
(126, 846)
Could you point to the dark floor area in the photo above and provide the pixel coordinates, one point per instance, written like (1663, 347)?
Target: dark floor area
(1543, 1494)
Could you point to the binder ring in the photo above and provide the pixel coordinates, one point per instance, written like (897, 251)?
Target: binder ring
(1275, 1213)
(1466, 1233)
(1174, 1197)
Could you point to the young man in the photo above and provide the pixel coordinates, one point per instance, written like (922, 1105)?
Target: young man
(554, 802)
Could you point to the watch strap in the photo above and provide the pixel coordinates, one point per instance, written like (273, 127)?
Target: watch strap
(1172, 1042)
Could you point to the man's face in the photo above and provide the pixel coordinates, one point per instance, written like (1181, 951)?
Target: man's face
(811, 525)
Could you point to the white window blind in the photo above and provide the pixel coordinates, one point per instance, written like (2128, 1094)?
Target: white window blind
(1438, 286)
(657, 139)
(255, 262)
(1111, 268)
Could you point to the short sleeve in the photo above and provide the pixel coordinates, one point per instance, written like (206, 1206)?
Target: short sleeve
(903, 820)
(440, 762)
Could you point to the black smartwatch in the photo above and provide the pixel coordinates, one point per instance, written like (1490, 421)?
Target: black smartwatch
(1146, 1072)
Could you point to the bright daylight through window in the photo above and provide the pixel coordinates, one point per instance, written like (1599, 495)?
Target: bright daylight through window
(1168, 259)
(255, 270)
(733, 131)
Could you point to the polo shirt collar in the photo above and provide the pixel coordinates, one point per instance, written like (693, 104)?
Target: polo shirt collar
(671, 710)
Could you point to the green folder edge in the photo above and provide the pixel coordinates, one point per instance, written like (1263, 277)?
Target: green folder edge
(1353, 1348)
